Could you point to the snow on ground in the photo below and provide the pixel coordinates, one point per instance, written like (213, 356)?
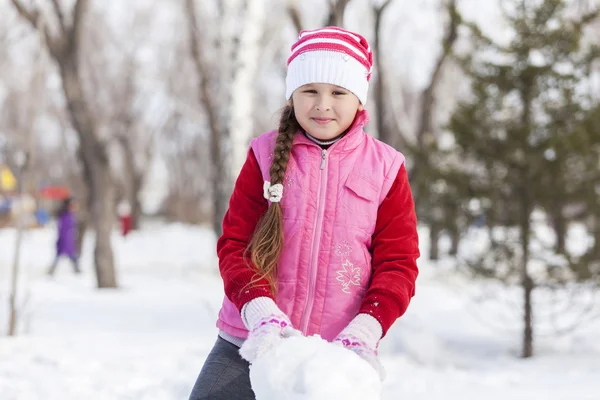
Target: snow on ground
(148, 339)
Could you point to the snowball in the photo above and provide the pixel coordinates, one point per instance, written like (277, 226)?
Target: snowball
(310, 368)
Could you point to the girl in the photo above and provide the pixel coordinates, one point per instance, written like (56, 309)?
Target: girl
(66, 244)
(320, 236)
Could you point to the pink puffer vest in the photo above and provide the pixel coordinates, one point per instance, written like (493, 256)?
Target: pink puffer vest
(330, 202)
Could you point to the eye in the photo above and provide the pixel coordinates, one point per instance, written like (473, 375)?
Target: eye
(309, 91)
(338, 93)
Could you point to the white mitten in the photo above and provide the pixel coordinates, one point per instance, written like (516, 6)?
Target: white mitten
(362, 336)
(268, 326)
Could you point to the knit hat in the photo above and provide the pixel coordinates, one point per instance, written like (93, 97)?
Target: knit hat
(330, 55)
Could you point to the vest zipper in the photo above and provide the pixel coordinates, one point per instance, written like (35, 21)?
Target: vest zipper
(315, 244)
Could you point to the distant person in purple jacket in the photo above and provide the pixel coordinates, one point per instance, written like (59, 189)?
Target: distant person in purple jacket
(66, 244)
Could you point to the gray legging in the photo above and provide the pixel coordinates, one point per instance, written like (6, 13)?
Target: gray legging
(224, 376)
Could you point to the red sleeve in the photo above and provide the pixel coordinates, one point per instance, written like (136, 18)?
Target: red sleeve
(246, 206)
(395, 252)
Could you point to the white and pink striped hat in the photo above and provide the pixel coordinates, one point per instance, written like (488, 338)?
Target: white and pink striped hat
(330, 55)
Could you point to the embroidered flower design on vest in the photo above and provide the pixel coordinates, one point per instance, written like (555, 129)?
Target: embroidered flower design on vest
(288, 181)
(343, 249)
(348, 275)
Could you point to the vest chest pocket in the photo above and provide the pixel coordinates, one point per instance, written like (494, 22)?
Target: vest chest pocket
(359, 202)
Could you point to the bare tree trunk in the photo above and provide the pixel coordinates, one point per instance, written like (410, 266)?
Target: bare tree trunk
(526, 281)
(64, 48)
(434, 238)
(82, 225)
(14, 286)
(134, 178)
(452, 212)
(383, 132)
(135, 183)
(83, 216)
(24, 161)
(559, 224)
(97, 166)
(455, 240)
(220, 176)
(525, 227)
(428, 96)
(134, 200)
(596, 233)
(335, 17)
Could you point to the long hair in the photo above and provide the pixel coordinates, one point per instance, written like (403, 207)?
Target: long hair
(267, 241)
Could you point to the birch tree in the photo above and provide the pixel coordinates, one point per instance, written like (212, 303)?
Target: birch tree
(243, 88)
(226, 61)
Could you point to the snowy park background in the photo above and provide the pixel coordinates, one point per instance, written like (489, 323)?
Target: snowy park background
(148, 339)
(146, 333)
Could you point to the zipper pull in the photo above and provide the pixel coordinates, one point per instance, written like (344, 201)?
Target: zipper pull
(323, 156)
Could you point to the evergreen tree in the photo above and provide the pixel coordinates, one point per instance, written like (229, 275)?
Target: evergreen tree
(526, 147)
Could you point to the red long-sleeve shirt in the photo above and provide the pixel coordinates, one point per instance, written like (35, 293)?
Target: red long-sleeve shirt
(394, 247)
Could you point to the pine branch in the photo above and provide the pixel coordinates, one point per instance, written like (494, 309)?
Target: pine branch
(589, 17)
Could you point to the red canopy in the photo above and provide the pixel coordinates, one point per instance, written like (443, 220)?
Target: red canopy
(55, 192)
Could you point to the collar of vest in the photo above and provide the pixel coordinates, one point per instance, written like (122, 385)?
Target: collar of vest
(349, 141)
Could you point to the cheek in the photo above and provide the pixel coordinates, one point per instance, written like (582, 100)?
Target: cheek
(301, 114)
(349, 114)
(299, 108)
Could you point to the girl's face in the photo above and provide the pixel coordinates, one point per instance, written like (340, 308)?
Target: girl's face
(323, 110)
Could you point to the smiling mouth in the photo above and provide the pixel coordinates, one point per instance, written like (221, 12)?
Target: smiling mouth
(322, 121)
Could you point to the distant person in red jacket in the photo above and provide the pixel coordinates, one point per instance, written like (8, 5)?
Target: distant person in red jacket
(321, 235)
(66, 242)
(125, 218)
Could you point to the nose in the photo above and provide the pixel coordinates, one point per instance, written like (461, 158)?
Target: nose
(323, 104)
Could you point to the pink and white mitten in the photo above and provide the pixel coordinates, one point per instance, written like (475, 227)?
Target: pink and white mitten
(268, 326)
(362, 336)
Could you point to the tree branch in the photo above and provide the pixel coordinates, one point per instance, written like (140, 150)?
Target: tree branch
(60, 16)
(34, 19)
(30, 16)
(79, 11)
(383, 130)
(294, 13)
(379, 10)
(337, 9)
(201, 68)
(428, 96)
